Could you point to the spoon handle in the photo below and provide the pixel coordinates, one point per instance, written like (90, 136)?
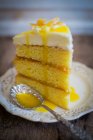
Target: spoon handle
(77, 131)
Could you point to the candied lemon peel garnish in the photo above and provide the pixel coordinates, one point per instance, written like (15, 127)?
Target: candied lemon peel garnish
(42, 22)
(53, 25)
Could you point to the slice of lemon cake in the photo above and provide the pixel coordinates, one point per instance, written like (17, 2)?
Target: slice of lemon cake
(43, 60)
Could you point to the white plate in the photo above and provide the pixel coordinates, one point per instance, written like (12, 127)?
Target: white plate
(81, 79)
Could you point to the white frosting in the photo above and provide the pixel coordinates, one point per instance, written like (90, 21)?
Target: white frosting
(53, 39)
(52, 33)
(60, 40)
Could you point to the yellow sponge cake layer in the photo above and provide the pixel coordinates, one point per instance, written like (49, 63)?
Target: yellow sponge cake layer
(51, 55)
(56, 96)
(45, 73)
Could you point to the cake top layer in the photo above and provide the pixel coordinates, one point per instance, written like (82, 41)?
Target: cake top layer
(53, 33)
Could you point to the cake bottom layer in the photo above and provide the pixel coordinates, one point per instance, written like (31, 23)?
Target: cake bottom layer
(56, 96)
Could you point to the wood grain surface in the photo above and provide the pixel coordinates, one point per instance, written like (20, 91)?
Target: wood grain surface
(16, 128)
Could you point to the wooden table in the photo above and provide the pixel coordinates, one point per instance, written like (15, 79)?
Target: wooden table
(16, 128)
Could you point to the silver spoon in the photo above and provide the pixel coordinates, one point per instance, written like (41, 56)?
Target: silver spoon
(22, 88)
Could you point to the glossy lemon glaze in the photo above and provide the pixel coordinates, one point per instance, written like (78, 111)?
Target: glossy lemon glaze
(73, 95)
(27, 100)
(27, 38)
(53, 25)
(45, 57)
(30, 101)
(47, 103)
(61, 29)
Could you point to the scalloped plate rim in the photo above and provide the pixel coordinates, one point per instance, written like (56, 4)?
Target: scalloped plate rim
(51, 121)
